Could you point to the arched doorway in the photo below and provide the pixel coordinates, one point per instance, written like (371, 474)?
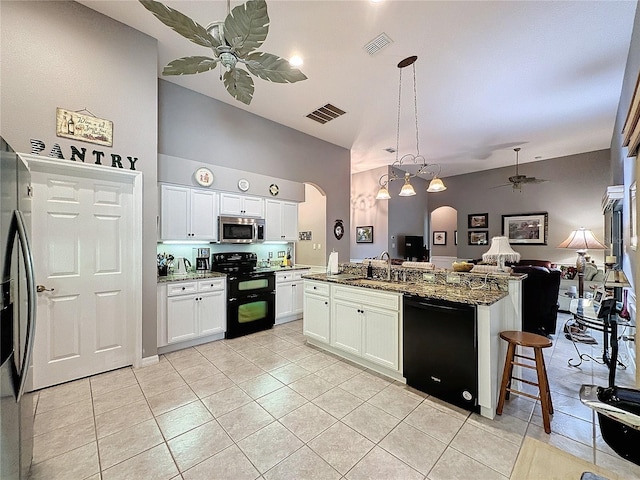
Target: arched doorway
(443, 226)
(312, 222)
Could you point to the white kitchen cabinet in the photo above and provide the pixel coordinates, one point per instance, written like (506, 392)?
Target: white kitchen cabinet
(346, 326)
(366, 323)
(281, 219)
(316, 322)
(241, 205)
(289, 295)
(193, 309)
(188, 213)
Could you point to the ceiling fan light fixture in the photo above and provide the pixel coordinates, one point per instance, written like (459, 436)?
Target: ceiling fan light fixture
(234, 42)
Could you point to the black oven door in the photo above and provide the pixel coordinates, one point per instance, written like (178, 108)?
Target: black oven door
(256, 283)
(249, 314)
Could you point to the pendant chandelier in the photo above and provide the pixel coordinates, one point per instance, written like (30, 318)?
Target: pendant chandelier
(436, 184)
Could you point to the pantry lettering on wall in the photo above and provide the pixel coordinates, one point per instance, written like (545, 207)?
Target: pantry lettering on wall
(86, 128)
(38, 146)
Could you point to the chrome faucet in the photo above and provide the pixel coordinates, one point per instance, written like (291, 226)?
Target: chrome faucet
(381, 257)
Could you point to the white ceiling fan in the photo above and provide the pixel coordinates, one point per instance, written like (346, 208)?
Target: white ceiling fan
(516, 181)
(233, 42)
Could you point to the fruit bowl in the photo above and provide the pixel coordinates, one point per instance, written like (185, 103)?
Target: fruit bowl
(462, 266)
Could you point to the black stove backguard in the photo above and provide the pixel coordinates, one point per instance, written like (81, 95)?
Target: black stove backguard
(250, 294)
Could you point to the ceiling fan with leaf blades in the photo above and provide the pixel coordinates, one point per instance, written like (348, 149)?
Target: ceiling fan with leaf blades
(516, 181)
(233, 42)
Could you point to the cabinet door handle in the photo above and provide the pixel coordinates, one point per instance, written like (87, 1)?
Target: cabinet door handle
(183, 288)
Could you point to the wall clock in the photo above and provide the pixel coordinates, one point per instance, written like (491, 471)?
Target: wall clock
(243, 184)
(204, 176)
(338, 229)
(274, 189)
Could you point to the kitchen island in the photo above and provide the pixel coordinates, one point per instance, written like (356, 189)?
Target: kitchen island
(362, 320)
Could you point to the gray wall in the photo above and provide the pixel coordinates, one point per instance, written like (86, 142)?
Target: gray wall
(624, 170)
(200, 128)
(366, 210)
(407, 215)
(572, 197)
(62, 54)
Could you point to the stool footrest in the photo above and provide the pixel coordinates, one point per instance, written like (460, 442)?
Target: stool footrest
(524, 356)
(525, 365)
(526, 381)
(518, 392)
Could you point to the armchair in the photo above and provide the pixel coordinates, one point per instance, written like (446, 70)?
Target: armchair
(539, 297)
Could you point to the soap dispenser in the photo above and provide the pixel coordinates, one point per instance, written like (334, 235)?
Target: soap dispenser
(369, 270)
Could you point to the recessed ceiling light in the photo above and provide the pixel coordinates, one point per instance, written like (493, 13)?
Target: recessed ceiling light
(295, 61)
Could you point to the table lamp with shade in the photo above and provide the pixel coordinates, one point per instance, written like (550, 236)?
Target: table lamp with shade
(581, 240)
(500, 252)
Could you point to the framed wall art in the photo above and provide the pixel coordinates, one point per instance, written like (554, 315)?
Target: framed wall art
(526, 228)
(479, 237)
(439, 238)
(364, 234)
(478, 220)
(84, 127)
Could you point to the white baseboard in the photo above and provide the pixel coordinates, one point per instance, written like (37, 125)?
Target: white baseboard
(146, 361)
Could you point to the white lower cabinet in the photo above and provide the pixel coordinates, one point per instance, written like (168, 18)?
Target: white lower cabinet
(289, 295)
(365, 322)
(316, 322)
(193, 309)
(362, 322)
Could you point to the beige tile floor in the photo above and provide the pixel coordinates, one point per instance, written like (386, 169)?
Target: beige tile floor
(267, 406)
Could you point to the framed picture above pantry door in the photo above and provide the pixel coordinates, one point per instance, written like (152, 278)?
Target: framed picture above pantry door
(87, 241)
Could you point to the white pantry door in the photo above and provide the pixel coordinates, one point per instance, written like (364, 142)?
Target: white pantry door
(82, 233)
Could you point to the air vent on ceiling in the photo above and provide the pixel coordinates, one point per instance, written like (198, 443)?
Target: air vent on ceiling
(377, 44)
(326, 114)
(390, 150)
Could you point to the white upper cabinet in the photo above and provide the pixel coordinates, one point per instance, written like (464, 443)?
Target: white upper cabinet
(188, 213)
(241, 205)
(281, 219)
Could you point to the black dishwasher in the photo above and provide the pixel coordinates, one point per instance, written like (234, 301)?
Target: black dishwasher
(441, 350)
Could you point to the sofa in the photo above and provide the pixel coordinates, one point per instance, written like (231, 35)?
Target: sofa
(539, 296)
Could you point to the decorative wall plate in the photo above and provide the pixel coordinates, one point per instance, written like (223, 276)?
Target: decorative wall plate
(243, 184)
(274, 189)
(204, 176)
(338, 229)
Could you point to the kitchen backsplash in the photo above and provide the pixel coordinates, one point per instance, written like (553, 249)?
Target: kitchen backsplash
(262, 250)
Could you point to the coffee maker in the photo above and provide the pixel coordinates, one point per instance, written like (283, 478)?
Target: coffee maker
(202, 256)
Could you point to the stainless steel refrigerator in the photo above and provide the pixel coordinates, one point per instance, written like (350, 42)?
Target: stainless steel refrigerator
(17, 319)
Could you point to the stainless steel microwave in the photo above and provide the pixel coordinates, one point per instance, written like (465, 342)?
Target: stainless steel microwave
(240, 230)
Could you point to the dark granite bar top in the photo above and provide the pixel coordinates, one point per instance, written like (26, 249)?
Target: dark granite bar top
(475, 293)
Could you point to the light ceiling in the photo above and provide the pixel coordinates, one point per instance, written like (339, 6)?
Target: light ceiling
(543, 75)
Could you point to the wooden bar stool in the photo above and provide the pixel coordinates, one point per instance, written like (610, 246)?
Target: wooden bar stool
(537, 342)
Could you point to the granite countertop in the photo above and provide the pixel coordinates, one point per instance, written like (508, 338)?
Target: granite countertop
(452, 293)
(182, 277)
